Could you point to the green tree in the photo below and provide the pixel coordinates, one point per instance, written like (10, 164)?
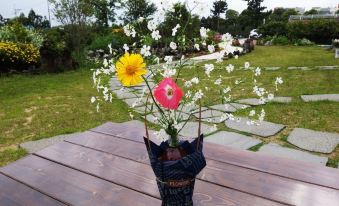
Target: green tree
(256, 12)
(37, 21)
(104, 11)
(311, 12)
(136, 9)
(219, 7)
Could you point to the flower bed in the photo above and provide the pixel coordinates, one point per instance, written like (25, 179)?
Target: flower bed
(17, 56)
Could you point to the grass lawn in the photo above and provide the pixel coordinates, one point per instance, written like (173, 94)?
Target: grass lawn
(36, 107)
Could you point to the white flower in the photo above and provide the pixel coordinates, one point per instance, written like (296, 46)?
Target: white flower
(257, 71)
(175, 29)
(270, 96)
(173, 45)
(141, 19)
(110, 48)
(151, 25)
(236, 57)
(247, 65)
(259, 91)
(188, 84)
(262, 115)
(237, 82)
(230, 68)
(279, 80)
(195, 80)
(252, 113)
(198, 95)
(220, 55)
(218, 81)
(105, 63)
(98, 107)
(131, 115)
(155, 35)
(169, 72)
(211, 48)
(93, 99)
(197, 47)
(227, 37)
(129, 30)
(228, 89)
(203, 32)
(168, 59)
(126, 48)
(145, 51)
(208, 69)
(188, 94)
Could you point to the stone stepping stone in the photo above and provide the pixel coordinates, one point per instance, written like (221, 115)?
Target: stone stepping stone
(231, 107)
(131, 102)
(191, 130)
(272, 68)
(315, 141)
(281, 99)
(264, 129)
(209, 114)
(277, 150)
(125, 94)
(326, 67)
(320, 97)
(233, 140)
(251, 101)
(35, 146)
(298, 68)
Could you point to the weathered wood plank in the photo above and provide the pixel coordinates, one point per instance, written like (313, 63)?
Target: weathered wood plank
(16, 193)
(324, 176)
(243, 179)
(140, 177)
(72, 186)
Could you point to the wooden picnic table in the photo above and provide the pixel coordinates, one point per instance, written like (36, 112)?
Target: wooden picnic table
(109, 165)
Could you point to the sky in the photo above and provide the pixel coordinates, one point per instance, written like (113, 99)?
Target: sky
(8, 7)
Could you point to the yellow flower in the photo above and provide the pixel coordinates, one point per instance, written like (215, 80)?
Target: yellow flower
(130, 68)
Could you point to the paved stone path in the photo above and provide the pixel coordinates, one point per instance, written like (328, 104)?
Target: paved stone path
(191, 130)
(233, 139)
(231, 107)
(278, 150)
(320, 97)
(265, 129)
(310, 140)
(298, 68)
(251, 101)
(272, 68)
(281, 99)
(35, 146)
(327, 67)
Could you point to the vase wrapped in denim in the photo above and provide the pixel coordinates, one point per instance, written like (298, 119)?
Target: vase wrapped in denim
(176, 179)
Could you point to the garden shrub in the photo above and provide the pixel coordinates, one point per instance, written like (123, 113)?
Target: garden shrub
(117, 40)
(318, 31)
(18, 33)
(17, 56)
(273, 28)
(56, 55)
(281, 40)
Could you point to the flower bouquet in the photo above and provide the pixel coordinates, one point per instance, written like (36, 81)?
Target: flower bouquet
(171, 93)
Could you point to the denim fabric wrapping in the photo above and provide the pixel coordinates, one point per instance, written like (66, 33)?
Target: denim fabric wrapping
(186, 168)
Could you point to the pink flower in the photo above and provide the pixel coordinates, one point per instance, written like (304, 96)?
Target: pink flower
(168, 94)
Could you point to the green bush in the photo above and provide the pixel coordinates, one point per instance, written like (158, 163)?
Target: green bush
(18, 33)
(101, 42)
(318, 31)
(273, 28)
(17, 56)
(281, 40)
